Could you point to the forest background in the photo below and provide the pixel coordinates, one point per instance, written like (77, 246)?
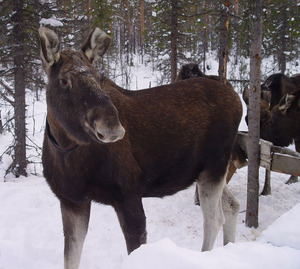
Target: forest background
(161, 35)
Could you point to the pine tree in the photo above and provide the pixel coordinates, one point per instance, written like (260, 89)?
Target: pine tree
(281, 32)
(20, 67)
(224, 32)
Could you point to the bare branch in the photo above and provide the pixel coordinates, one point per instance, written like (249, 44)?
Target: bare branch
(37, 147)
(6, 98)
(209, 12)
(7, 88)
(239, 80)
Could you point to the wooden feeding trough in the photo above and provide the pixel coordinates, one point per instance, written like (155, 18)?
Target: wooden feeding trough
(273, 158)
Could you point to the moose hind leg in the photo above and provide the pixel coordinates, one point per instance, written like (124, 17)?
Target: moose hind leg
(210, 194)
(75, 223)
(231, 207)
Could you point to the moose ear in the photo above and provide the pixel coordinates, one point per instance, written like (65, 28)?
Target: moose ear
(50, 47)
(285, 103)
(96, 45)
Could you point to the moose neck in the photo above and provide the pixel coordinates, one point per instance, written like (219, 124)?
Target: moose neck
(58, 138)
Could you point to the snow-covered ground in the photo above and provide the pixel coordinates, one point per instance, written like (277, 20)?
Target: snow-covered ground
(31, 234)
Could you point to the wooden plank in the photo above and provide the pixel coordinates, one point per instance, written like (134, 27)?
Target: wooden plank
(286, 151)
(272, 157)
(266, 152)
(286, 164)
(242, 140)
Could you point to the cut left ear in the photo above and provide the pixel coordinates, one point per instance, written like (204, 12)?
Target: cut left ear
(285, 103)
(96, 45)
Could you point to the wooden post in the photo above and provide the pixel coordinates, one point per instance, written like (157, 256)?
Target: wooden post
(254, 116)
(267, 186)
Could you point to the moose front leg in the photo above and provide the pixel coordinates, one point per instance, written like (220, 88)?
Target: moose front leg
(132, 220)
(75, 223)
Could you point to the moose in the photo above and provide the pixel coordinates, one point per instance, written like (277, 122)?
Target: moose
(277, 85)
(187, 71)
(192, 70)
(113, 146)
(279, 113)
(279, 123)
(238, 156)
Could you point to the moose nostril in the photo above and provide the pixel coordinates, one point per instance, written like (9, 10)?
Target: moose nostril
(100, 136)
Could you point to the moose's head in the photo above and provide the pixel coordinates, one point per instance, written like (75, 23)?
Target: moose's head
(76, 103)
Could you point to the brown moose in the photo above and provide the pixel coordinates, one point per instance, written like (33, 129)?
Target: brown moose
(238, 156)
(278, 85)
(192, 70)
(113, 146)
(279, 113)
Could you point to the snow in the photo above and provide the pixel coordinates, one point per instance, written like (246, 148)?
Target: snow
(31, 234)
(240, 255)
(51, 21)
(287, 226)
(277, 247)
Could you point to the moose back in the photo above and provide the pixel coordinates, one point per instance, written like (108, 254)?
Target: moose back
(106, 144)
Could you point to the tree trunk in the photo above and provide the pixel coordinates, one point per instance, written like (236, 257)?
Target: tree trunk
(87, 7)
(142, 25)
(20, 163)
(205, 37)
(223, 50)
(174, 38)
(127, 14)
(235, 31)
(128, 41)
(254, 116)
(282, 42)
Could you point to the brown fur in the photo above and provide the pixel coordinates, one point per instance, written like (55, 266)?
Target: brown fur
(281, 125)
(192, 70)
(278, 85)
(275, 126)
(174, 134)
(238, 159)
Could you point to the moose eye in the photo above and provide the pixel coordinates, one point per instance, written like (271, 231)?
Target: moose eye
(64, 83)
